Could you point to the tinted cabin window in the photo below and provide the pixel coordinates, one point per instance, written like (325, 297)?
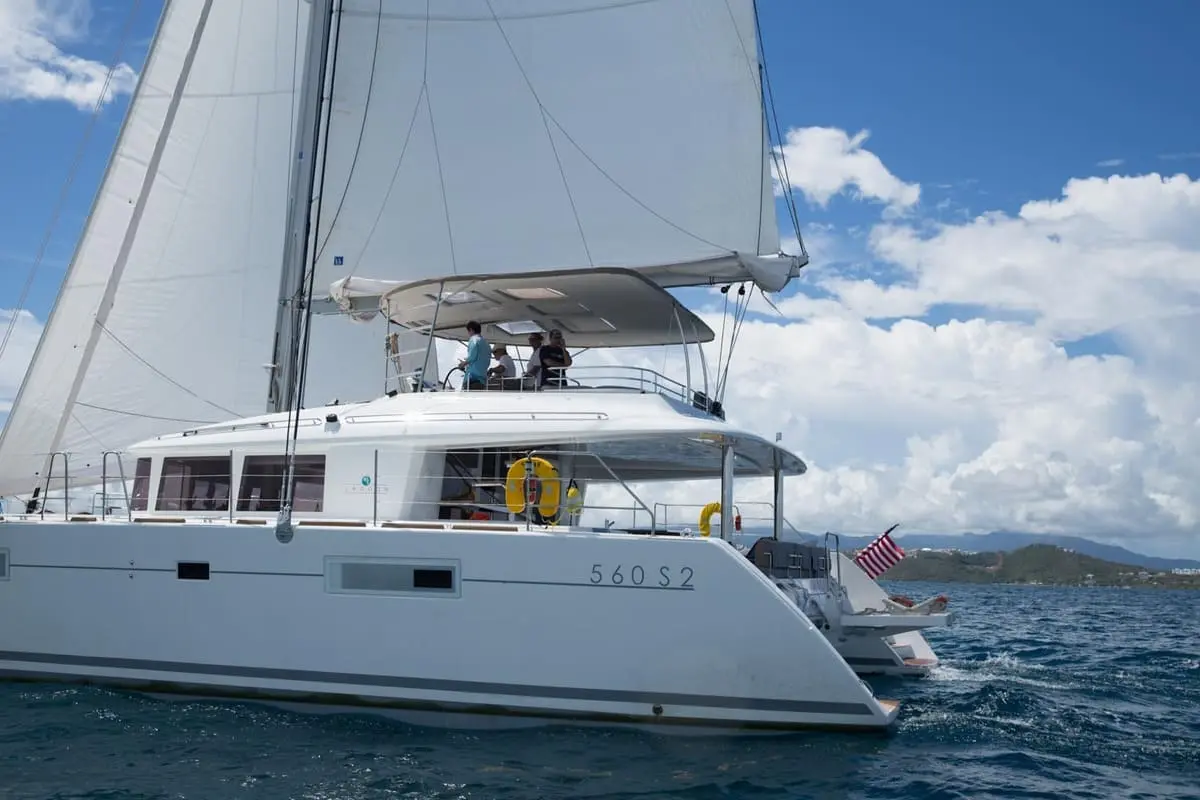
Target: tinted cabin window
(192, 570)
(262, 483)
(194, 484)
(140, 498)
(392, 577)
(440, 578)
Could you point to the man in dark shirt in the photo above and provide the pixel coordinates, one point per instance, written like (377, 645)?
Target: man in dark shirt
(554, 360)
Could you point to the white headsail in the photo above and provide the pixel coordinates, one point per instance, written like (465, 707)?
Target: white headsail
(166, 315)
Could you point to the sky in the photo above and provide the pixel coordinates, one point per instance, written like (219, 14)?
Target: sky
(1002, 207)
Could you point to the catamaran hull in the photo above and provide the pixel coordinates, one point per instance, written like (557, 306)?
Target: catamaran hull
(523, 625)
(906, 655)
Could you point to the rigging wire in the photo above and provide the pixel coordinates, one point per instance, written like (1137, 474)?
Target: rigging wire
(117, 340)
(549, 136)
(358, 144)
(71, 173)
(721, 341)
(437, 151)
(617, 184)
(140, 415)
(741, 305)
(755, 70)
(737, 331)
(293, 124)
(770, 124)
(776, 157)
(412, 123)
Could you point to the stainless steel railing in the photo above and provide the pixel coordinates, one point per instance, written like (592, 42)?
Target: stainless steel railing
(611, 378)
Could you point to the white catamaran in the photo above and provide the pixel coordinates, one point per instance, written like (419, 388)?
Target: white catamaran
(299, 181)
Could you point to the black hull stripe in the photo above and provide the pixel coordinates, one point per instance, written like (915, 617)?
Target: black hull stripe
(444, 685)
(359, 704)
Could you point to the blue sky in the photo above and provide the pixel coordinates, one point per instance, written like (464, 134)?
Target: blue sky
(990, 105)
(1018, 96)
(930, 340)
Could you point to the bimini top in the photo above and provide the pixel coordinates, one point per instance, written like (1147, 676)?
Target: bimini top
(594, 307)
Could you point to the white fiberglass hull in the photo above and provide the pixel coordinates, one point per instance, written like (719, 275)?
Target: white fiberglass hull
(571, 626)
(905, 654)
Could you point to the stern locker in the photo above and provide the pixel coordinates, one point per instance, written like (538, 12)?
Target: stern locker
(779, 559)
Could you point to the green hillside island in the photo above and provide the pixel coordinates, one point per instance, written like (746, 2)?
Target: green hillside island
(1037, 564)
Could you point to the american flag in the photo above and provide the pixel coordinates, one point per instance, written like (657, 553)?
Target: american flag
(880, 555)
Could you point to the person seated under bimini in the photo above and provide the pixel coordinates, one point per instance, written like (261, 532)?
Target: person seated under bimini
(504, 368)
(475, 365)
(534, 364)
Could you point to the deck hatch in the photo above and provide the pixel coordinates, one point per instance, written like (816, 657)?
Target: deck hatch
(386, 576)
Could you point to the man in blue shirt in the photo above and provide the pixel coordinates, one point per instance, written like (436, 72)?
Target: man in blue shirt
(479, 357)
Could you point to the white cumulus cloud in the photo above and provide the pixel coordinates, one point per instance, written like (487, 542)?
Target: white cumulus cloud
(985, 421)
(823, 162)
(969, 425)
(1108, 252)
(34, 64)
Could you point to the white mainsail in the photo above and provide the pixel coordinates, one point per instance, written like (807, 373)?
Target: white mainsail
(500, 136)
(166, 315)
(497, 136)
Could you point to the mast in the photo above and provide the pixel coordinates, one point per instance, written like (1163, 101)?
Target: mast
(289, 321)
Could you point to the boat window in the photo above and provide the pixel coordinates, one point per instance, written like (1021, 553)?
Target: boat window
(3, 565)
(140, 498)
(262, 483)
(196, 483)
(392, 576)
(458, 484)
(192, 570)
(473, 483)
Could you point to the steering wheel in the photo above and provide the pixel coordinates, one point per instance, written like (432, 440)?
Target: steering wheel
(446, 380)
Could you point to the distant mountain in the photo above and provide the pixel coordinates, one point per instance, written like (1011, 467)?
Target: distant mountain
(1008, 541)
(1042, 564)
